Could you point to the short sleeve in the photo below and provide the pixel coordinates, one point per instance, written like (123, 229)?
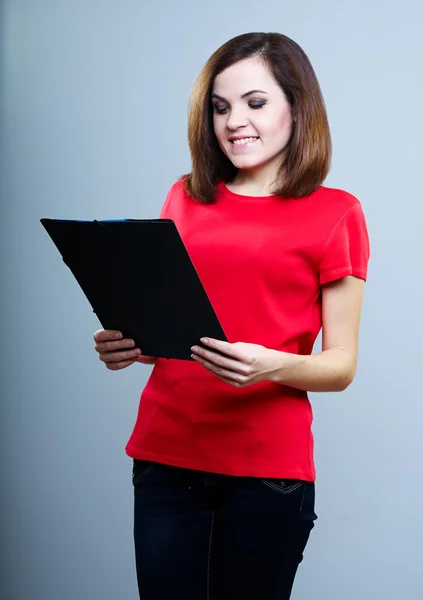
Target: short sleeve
(347, 251)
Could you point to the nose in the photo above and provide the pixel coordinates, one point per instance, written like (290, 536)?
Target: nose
(236, 119)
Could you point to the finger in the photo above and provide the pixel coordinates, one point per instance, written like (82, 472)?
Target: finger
(231, 382)
(222, 373)
(221, 361)
(102, 335)
(111, 346)
(117, 366)
(226, 348)
(122, 355)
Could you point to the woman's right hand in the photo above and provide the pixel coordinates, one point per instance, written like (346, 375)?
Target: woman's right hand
(118, 352)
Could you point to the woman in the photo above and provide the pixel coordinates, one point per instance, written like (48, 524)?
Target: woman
(222, 447)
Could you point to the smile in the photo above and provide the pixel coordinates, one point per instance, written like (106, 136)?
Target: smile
(244, 141)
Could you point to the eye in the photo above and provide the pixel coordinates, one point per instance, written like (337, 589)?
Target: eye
(220, 110)
(257, 104)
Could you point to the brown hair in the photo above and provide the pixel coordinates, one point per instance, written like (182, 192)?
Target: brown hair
(305, 161)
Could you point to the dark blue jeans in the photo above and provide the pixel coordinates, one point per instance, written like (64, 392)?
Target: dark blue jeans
(202, 536)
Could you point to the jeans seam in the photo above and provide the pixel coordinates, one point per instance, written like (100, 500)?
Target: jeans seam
(295, 530)
(209, 558)
(143, 474)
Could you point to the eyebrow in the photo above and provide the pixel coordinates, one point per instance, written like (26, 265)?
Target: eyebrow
(243, 95)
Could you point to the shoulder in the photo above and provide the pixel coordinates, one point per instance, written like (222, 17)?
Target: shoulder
(177, 199)
(329, 207)
(335, 197)
(179, 187)
(177, 192)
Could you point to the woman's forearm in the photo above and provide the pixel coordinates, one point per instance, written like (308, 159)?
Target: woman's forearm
(329, 371)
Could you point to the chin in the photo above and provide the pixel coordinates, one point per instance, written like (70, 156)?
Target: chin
(245, 163)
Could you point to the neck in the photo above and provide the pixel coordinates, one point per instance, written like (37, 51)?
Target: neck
(255, 182)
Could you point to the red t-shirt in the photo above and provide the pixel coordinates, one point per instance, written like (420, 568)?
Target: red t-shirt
(262, 261)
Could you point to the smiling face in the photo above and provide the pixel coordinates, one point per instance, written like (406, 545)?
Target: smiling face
(251, 116)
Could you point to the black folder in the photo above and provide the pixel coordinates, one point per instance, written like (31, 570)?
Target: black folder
(139, 279)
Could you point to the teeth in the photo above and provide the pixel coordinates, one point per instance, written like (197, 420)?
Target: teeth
(244, 141)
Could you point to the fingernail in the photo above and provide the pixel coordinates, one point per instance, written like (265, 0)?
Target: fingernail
(205, 340)
(118, 336)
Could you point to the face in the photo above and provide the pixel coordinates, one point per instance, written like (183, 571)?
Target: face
(251, 115)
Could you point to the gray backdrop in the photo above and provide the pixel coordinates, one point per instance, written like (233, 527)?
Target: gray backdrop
(93, 125)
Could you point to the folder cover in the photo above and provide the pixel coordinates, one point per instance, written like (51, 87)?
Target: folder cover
(139, 279)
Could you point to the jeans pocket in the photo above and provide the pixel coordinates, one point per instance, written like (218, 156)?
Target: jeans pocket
(140, 470)
(283, 486)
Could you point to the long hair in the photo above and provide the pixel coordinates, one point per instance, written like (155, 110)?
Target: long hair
(305, 161)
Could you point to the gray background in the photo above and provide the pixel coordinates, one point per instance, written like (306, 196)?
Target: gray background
(93, 125)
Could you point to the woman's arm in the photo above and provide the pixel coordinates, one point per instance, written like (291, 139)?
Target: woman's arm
(334, 368)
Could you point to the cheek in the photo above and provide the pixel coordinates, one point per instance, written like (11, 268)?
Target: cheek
(285, 121)
(219, 130)
(280, 127)
(217, 125)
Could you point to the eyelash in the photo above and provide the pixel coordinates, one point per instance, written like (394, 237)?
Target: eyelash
(220, 111)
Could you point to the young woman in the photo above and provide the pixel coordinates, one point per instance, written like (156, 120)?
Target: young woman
(222, 447)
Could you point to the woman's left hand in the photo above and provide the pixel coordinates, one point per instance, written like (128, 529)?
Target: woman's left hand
(242, 364)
